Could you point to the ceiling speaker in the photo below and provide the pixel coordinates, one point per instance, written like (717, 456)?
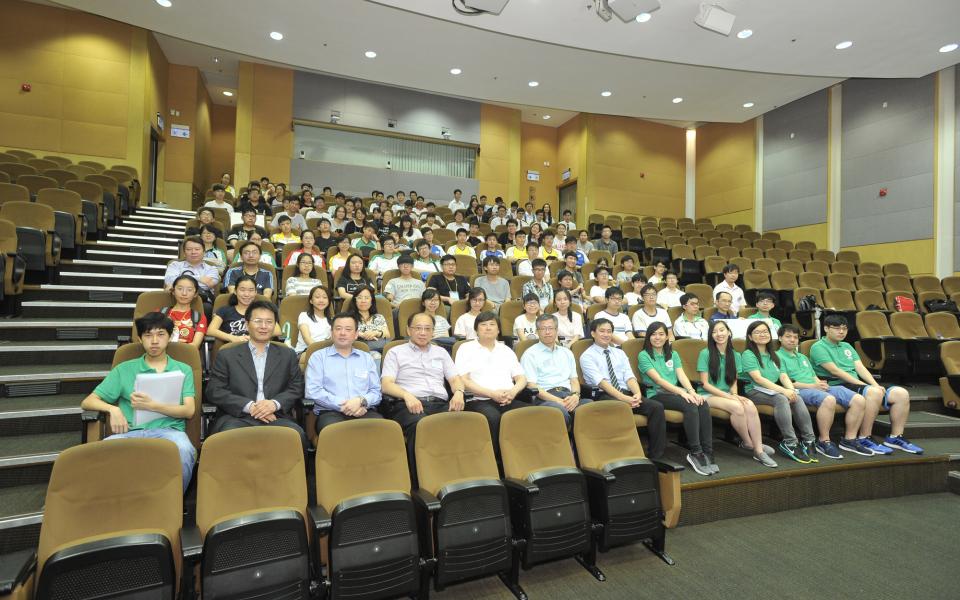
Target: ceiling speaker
(628, 10)
(487, 6)
(715, 19)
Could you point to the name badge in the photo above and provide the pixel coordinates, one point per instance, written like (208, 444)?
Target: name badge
(669, 364)
(454, 295)
(360, 375)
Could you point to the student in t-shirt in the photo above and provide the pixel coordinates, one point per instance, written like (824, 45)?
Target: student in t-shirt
(669, 296)
(286, 234)
(405, 286)
(622, 327)
(497, 288)
(492, 247)
(367, 242)
(189, 325)
(729, 284)
(449, 285)
(765, 303)
(836, 361)
(229, 323)
(352, 279)
(667, 383)
(690, 324)
(525, 325)
(637, 282)
(627, 269)
(719, 366)
(313, 324)
(649, 313)
(464, 327)
(387, 261)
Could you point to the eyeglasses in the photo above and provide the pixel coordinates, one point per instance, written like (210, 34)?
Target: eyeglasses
(263, 322)
(837, 327)
(422, 328)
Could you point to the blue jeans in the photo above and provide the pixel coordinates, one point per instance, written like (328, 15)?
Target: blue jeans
(188, 454)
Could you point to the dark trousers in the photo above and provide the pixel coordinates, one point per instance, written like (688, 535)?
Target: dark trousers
(493, 411)
(227, 422)
(656, 424)
(330, 417)
(697, 424)
(397, 411)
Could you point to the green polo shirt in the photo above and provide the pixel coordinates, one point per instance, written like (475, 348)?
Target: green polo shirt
(843, 355)
(797, 366)
(776, 322)
(118, 385)
(767, 368)
(703, 366)
(666, 368)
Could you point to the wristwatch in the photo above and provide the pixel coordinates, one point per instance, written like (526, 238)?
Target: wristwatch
(363, 402)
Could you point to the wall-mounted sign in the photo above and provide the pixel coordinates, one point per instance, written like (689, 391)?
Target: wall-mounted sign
(565, 175)
(159, 121)
(533, 175)
(180, 131)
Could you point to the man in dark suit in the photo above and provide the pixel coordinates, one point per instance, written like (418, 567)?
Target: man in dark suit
(256, 383)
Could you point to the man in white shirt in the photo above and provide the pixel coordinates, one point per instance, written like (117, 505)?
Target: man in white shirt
(492, 373)
(292, 210)
(622, 328)
(456, 203)
(218, 199)
(669, 296)
(501, 218)
(551, 369)
(525, 266)
(729, 285)
(690, 324)
(568, 221)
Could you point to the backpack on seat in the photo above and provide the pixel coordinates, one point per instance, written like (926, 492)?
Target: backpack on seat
(904, 304)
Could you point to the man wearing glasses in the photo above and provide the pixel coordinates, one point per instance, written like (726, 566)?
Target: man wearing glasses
(255, 383)
(551, 370)
(836, 361)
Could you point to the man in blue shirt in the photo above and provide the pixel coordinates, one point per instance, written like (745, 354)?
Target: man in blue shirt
(607, 367)
(551, 369)
(342, 382)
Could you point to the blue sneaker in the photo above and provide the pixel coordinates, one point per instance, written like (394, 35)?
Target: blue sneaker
(808, 452)
(875, 447)
(897, 441)
(856, 446)
(794, 452)
(828, 449)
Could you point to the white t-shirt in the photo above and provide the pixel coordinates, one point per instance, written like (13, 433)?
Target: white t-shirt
(632, 298)
(598, 292)
(642, 320)
(379, 264)
(621, 322)
(465, 326)
(525, 268)
(226, 205)
(524, 328)
(667, 298)
(738, 299)
(492, 369)
(569, 328)
(319, 330)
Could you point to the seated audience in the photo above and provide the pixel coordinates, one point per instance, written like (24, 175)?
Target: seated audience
(292, 210)
(598, 293)
(189, 325)
(250, 257)
(218, 201)
(430, 304)
(497, 288)
(690, 324)
(637, 282)
(313, 324)
(551, 370)
(539, 286)
(353, 278)
(464, 327)
(622, 327)
(241, 232)
(765, 303)
(606, 243)
(372, 327)
(627, 270)
(525, 325)
(649, 313)
(569, 321)
(670, 295)
(729, 284)
(308, 245)
(386, 261)
(286, 234)
(404, 286)
(724, 302)
(304, 278)
(452, 287)
(192, 264)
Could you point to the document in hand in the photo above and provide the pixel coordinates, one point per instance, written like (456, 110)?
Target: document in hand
(764, 390)
(165, 388)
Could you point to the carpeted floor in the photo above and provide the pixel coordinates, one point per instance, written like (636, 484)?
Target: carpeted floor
(897, 548)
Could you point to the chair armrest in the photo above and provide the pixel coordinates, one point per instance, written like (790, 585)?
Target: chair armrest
(306, 403)
(520, 485)
(321, 519)
(667, 466)
(208, 409)
(598, 475)
(426, 501)
(191, 544)
(16, 569)
(87, 416)
(954, 381)
(91, 424)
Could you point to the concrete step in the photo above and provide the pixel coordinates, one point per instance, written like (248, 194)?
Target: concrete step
(17, 381)
(111, 266)
(34, 329)
(123, 246)
(921, 424)
(135, 238)
(79, 310)
(87, 292)
(111, 255)
(61, 352)
(153, 280)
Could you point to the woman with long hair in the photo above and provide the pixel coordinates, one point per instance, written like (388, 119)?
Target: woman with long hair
(476, 300)
(353, 278)
(314, 323)
(569, 321)
(304, 277)
(340, 257)
(338, 222)
(308, 245)
(372, 327)
(667, 382)
(229, 323)
(770, 385)
(430, 303)
(355, 225)
(719, 365)
(189, 325)
(408, 230)
(547, 215)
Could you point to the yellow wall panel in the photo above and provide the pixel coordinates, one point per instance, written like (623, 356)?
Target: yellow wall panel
(44, 100)
(45, 25)
(182, 96)
(806, 233)
(740, 217)
(569, 141)
(87, 73)
(29, 132)
(31, 65)
(101, 108)
(498, 166)
(178, 194)
(91, 138)
(89, 35)
(916, 254)
(271, 141)
(277, 168)
(726, 168)
(538, 144)
(223, 124)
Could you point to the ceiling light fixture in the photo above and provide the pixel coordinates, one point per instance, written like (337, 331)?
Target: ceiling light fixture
(948, 48)
(843, 45)
(533, 83)
(744, 33)
(216, 59)
(276, 35)
(456, 71)
(748, 104)
(165, 3)
(370, 54)
(227, 93)
(606, 93)
(677, 100)
(546, 117)
(644, 17)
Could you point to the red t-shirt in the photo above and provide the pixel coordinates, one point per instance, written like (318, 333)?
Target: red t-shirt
(183, 326)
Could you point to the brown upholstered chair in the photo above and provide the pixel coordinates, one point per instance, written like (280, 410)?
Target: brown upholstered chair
(878, 348)
(950, 384)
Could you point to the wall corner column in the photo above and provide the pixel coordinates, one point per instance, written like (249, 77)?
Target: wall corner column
(944, 227)
(690, 176)
(834, 166)
(758, 177)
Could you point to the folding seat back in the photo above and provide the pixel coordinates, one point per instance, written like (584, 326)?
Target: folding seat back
(801, 255)
(16, 170)
(548, 492)
(363, 486)
(839, 299)
(22, 155)
(96, 166)
(689, 351)
(869, 282)
(718, 242)
(742, 227)
(878, 347)
(38, 240)
(753, 254)
(951, 285)
(866, 298)
(908, 325)
(290, 309)
(13, 267)
(870, 268)
(668, 223)
(407, 307)
(252, 514)
(4, 177)
(791, 264)
(130, 171)
(897, 283)
(6, 157)
(69, 222)
(743, 264)
(850, 256)
(784, 245)
(632, 497)
(773, 236)
(111, 194)
(35, 183)
(11, 192)
(111, 523)
(724, 227)
(783, 280)
(923, 350)
(812, 280)
(842, 281)
(702, 252)
(950, 385)
(594, 256)
(731, 235)
(703, 291)
(759, 244)
(767, 265)
(91, 195)
(756, 279)
(923, 298)
(740, 244)
(826, 256)
(808, 246)
(942, 325)
(776, 254)
(896, 269)
(61, 161)
(461, 488)
(695, 241)
(672, 240)
(516, 283)
(817, 266)
(60, 175)
(926, 283)
(41, 164)
(727, 252)
(621, 255)
(80, 171)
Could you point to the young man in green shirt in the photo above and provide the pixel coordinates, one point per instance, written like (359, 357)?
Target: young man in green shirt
(116, 396)
(823, 396)
(765, 303)
(836, 361)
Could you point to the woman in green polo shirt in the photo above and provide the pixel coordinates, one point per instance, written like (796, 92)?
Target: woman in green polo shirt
(662, 373)
(771, 386)
(719, 365)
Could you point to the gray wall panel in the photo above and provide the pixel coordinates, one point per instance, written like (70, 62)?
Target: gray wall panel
(956, 181)
(795, 168)
(889, 147)
(358, 181)
(370, 105)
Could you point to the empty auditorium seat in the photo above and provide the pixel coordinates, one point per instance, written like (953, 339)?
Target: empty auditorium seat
(17, 170)
(879, 349)
(922, 348)
(867, 298)
(924, 297)
(69, 219)
(869, 282)
(850, 256)
(784, 245)
(926, 283)
(826, 256)
(792, 265)
(842, 281)
(844, 268)
(812, 280)
(896, 269)
(62, 161)
(11, 192)
(801, 255)
(950, 384)
(870, 268)
(776, 254)
(817, 266)
(839, 299)
(942, 325)
(38, 240)
(951, 285)
(754, 280)
(807, 246)
(12, 266)
(35, 183)
(754, 254)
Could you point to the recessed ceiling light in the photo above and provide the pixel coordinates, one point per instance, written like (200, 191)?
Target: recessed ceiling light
(276, 35)
(748, 104)
(644, 17)
(165, 3)
(948, 48)
(370, 54)
(744, 33)
(216, 59)
(456, 71)
(843, 45)
(606, 93)
(677, 100)
(546, 117)
(227, 93)
(533, 83)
